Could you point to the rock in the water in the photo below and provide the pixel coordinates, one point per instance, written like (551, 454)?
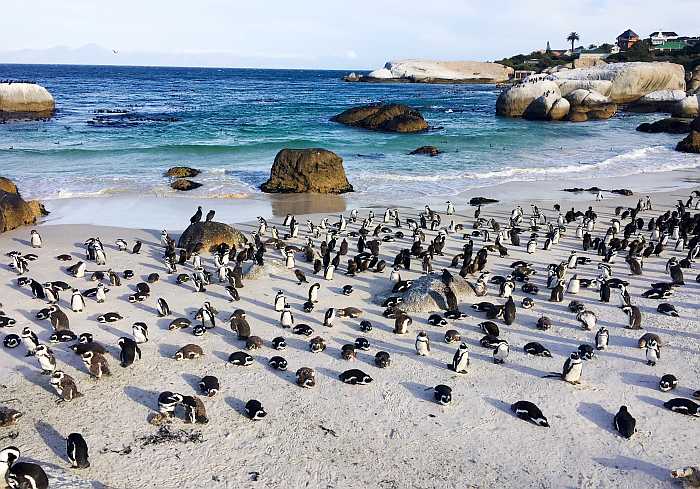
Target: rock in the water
(210, 234)
(547, 107)
(385, 117)
(424, 71)
(659, 101)
(589, 105)
(7, 185)
(307, 170)
(184, 184)
(481, 201)
(622, 191)
(688, 107)
(427, 294)
(14, 210)
(516, 100)
(20, 100)
(694, 82)
(182, 172)
(691, 143)
(670, 125)
(426, 150)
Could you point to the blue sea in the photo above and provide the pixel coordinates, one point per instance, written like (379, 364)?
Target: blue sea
(116, 130)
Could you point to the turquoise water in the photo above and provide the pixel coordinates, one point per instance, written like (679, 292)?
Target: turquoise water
(118, 128)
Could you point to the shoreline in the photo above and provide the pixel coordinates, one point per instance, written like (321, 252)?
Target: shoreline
(166, 212)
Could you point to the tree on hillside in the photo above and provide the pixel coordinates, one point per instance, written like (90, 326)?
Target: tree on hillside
(572, 38)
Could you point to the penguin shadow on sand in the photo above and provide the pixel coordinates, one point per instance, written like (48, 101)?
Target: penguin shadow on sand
(236, 404)
(640, 380)
(168, 351)
(331, 374)
(52, 438)
(598, 415)
(634, 464)
(23, 242)
(502, 406)
(421, 392)
(144, 397)
(192, 380)
(659, 403)
(221, 355)
(36, 378)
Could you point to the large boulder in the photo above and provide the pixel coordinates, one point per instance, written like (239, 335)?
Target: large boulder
(425, 71)
(515, 101)
(589, 105)
(211, 234)
(688, 107)
(18, 100)
(184, 185)
(691, 143)
(182, 172)
(670, 125)
(659, 101)
(384, 117)
(540, 108)
(426, 150)
(14, 210)
(427, 294)
(307, 170)
(694, 82)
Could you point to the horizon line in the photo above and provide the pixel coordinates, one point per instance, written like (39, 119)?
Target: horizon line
(3, 63)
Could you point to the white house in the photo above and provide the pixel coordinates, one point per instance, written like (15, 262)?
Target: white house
(660, 37)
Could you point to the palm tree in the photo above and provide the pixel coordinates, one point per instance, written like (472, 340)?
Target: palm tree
(572, 38)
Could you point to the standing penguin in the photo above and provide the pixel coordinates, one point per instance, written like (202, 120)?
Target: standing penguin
(460, 360)
(624, 423)
(422, 344)
(280, 301)
(601, 338)
(140, 332)
(313, 292)
(77, 302)
(35, 239)
(574, 285)
(571, 373)
(46, 359)
(500, 352)
(162, 307)
(77, 449)
(653, 352)
(287, 318)
(328, 273)
(635, 317)
(129, 350)
(290, 263)
(509, 311)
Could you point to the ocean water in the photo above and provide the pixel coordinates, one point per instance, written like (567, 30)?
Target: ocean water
(117, 129)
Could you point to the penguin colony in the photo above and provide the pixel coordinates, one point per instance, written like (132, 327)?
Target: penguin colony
(350, 246)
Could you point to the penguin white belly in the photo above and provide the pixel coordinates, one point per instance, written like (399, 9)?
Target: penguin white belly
(574, 374)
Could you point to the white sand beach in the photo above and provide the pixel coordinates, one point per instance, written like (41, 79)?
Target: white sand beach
(387, 434)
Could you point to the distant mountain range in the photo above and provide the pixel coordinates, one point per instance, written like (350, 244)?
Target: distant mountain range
(94, 54)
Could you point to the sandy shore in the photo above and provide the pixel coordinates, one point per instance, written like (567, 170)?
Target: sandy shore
(388, 434)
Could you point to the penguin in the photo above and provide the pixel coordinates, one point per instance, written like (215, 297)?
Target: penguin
(317, 345)
(168, 402)
(452, 336)
(96, 364)
(667, 309)
(109, 317)
(63, 337)
(574, 285)
(6, 321)
(137, 247)
(557, 294)
(667, 383)
(460, 360)
(509, 311)
(179, 323)
(11, 341)
(21, 475)
(254, 410)
(355, 376)
(305, 377)
(129, 351)
(442, 394)
(634, 315)
(189, 352)
(35, 239)
(301, 277)
(328, 273)
(240, 358)
(313, 293)
(601, 338)
(46, 359)
(31, 340)
(683, 406)
(588, 319)
(382, 359)
(303, 329)
(329, 317)
(573, 368)
(77, 302)
(195, 411)
(347, 289)
(277, 363)
(280, 301)
(402, 323)
(536, 349)
(77, 450)
(653, 352)
(500, 352)
(422, 344)
(209, 386)
(489, 328)
(528, 411)
(287, 318)
(64, 385)
(527, 303)
(162, 307)
(437, 320)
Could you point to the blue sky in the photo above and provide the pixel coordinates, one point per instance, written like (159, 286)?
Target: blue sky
(313, 33)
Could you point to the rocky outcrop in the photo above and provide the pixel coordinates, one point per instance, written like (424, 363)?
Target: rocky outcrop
(426, 150)
(384, 117)
(21, 100)
(425, 71)
(427, 294)
(14, 210)
(659, 101)
(210, 234)
(670, 125)
(307, 170)
(481, 201)
(688, 107)
(694, 82)
(594, 93)
(691, 143)
(182, 172)
(184, 185)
